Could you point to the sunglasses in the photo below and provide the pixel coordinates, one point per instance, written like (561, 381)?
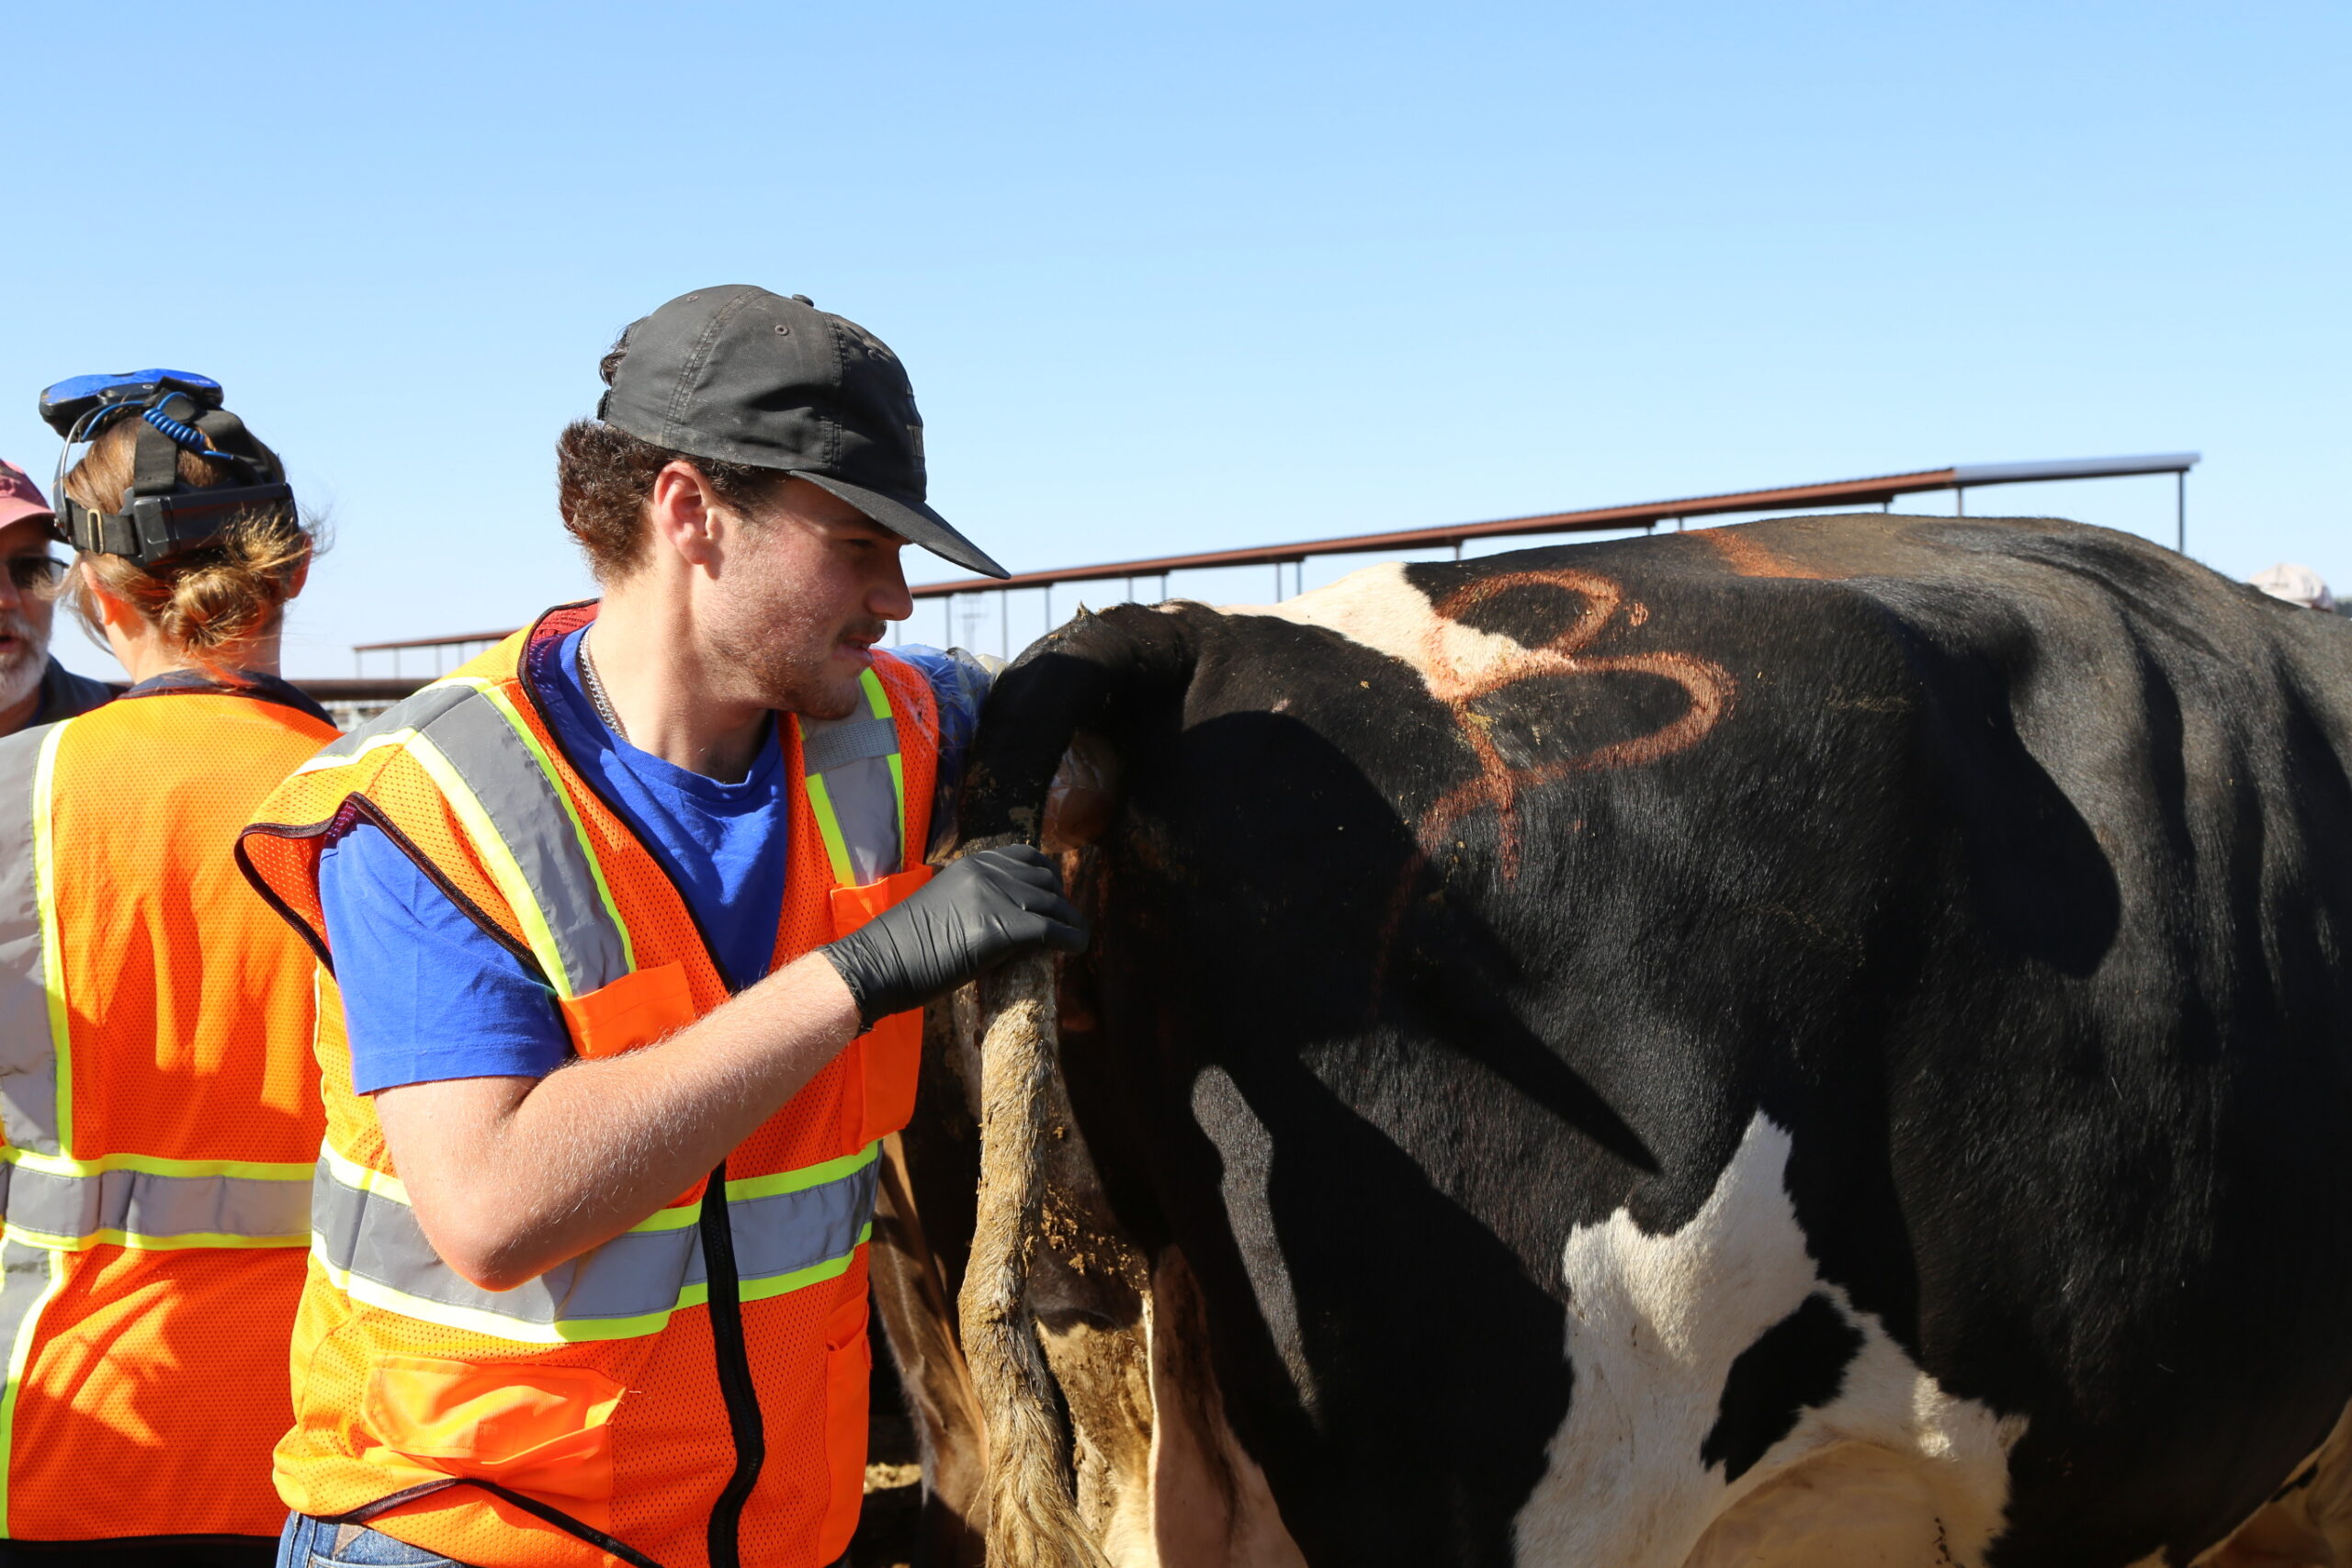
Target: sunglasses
(30, 572)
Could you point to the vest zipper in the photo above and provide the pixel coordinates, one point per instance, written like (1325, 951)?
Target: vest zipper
(734, 1368)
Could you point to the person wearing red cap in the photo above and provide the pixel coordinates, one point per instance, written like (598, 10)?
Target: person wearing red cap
(34, 687)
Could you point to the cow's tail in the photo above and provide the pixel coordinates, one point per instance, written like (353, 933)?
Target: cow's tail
(1097, 672)
(1033, 1522)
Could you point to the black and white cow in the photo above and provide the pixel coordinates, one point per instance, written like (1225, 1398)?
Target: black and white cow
(1823, 1041)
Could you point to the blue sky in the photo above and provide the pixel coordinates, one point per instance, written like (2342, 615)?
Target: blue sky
(1179, 278)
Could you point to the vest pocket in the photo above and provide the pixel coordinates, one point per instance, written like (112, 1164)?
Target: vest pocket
(893, 1062)
(849, 1370)
(546, 1431)
(636, 1010)
(890, 1055)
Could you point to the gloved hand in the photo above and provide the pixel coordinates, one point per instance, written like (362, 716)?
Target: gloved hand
(988, 906)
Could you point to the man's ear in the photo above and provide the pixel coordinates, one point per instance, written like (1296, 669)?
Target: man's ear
(682, 512)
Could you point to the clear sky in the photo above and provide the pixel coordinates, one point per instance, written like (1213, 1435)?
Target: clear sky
(1173, 278)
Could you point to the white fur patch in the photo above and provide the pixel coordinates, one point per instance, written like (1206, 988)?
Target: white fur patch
(1378, 608)
(1894, 1471)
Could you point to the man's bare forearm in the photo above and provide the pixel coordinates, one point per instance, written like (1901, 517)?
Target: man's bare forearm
(512, 1176)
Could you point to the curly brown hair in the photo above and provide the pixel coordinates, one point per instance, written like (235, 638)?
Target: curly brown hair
(604, 477)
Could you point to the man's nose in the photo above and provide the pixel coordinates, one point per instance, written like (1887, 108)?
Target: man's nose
(888, 598)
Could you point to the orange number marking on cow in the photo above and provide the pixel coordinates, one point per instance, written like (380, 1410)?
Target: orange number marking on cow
(1709, 687)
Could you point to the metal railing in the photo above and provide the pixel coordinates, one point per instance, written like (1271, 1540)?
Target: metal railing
(972, 597)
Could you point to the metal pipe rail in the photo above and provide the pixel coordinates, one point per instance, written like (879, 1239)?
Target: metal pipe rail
(1881, 489)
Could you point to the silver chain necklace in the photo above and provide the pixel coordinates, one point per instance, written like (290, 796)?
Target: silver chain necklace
(596, 697)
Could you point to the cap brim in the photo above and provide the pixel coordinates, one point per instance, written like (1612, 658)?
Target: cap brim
(14, 511)
(911, 520)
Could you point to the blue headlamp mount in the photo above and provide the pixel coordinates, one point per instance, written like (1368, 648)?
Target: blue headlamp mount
(178, 411)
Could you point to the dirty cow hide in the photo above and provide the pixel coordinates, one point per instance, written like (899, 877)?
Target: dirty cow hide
(1821, 1042)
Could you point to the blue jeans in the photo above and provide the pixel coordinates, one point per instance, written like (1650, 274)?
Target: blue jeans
(306, 1542)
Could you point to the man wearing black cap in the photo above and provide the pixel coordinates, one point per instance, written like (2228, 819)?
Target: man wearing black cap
(538, 883)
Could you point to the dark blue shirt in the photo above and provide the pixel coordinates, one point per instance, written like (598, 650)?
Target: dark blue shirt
(63, 693)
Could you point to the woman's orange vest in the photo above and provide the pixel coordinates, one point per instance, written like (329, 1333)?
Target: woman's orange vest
(694, 1390)
(162, 1116)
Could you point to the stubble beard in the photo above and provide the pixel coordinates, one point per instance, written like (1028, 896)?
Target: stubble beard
(788, 664)
(22, 662)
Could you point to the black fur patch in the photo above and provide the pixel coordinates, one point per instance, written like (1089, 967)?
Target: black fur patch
(1796, 1365)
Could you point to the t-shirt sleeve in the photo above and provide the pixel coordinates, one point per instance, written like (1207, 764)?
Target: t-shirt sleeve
(427, 995)
(960, 680)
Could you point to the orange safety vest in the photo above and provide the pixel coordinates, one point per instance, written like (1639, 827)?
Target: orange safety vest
(694, 1390)
(161, 1117)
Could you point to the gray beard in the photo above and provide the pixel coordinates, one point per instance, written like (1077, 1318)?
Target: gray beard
(21, 669)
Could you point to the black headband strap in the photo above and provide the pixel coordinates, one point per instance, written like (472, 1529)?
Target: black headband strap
(156, 468)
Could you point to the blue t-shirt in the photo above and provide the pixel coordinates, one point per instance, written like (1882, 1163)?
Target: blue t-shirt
(428, 995)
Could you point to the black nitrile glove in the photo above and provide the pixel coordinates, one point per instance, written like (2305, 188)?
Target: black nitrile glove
(988, 906)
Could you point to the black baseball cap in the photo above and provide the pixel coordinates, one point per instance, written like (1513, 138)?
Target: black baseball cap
(738, 375)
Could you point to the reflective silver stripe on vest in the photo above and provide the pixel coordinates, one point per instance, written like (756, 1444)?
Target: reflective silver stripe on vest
(141, 1207)
(30, 1277)
(529, 814)
(27, 1053)
(26, 1275)
(628, 1285)
(411, 712)
(827, 744)
(858, 809)
(868, 810)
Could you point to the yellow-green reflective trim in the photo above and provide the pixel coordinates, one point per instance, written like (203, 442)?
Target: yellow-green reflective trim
(806, 1177)
(677, 1217)
(382, 1184)
(137, 1242)
(393, 737)
(350, 1173)
(799, 1279)
(154, 1165)
(52, 950)
(504, 870)
(820, 799)
(346, 1173)
(491, 1325)
(878, 697)
(828, 828)
(328, 760)
(79, 1192)
(20, 1349)
(899, 788)
(530, 741)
